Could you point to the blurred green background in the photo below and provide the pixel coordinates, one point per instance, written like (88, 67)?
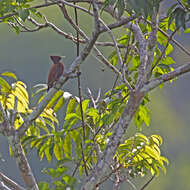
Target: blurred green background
(27, 54)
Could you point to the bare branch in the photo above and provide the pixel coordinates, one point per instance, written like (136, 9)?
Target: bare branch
(105, 44)
(97, 52)
(118, 55)
(166, 77)
(55, 28)
(14, 111)
(132, 185)
(3, 186)
(152, 40)
(9, 182)
(94, 102)
(147, 183)
(22, 162)
(4, 115)
(142, 52)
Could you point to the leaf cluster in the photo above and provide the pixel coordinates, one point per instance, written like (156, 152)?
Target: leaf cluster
(141, 154)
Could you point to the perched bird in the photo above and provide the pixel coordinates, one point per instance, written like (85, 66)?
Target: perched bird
(56, 70)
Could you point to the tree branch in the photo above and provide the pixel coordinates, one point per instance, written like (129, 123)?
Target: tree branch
(22, 162)
(10, 182)
(166, 77)
(164, 50)
(3, 114)
(14, 111)
(118, 55)
(147, 183)
(152, 40)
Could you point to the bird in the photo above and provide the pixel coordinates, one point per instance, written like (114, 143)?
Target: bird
(56, 70)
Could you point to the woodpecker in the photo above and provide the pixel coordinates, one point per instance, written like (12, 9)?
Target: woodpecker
(56, 70)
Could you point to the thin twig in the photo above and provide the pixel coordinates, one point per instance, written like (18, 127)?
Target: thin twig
(182, 5)
(108, 176)
(147, 183)
(164, 50)
(132, 185)
(80, 94)
(14, 111)
(118, 55)
(94, 102)
(152, 40)
(84, 161)
(10, 182)
(166, 77)
(91, 98)
(76, 168)
(4, 115)
(3, 186)
(97, 52)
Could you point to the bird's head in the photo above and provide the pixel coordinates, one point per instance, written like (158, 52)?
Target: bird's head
(55, 58)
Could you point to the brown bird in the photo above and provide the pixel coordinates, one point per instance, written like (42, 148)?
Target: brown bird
(56, 70)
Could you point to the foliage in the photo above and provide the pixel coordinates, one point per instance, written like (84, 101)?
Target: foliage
(138, 153)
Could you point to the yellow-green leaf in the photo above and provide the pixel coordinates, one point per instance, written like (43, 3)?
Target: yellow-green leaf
(55, 98)
(58, 151)
(9, 74)
(158, 137)
(153, 153)
(67, 146)
(59, 104)
(4, 85)
(71, 105)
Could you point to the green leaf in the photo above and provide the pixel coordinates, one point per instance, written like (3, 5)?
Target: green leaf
(58, 151)
(169, 49)
(59, 104)
(140, 135)
(47, 150)
(51, 172)
(84, 107)
(94, 114)
(68, 179)
(159, 139)
(153, 153)
(57, 95)
(5, 85)
(67, 146)
(155, 170)
(171, 9)
(60, 171)
(108, 119)
(187, 31)
(24, 13)
(59, 185)
(164, 159)
(76, 136)
(9, 74)
(16, 28)
(71, 105)
(142, 115)
(43, 186)
(71, 116)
